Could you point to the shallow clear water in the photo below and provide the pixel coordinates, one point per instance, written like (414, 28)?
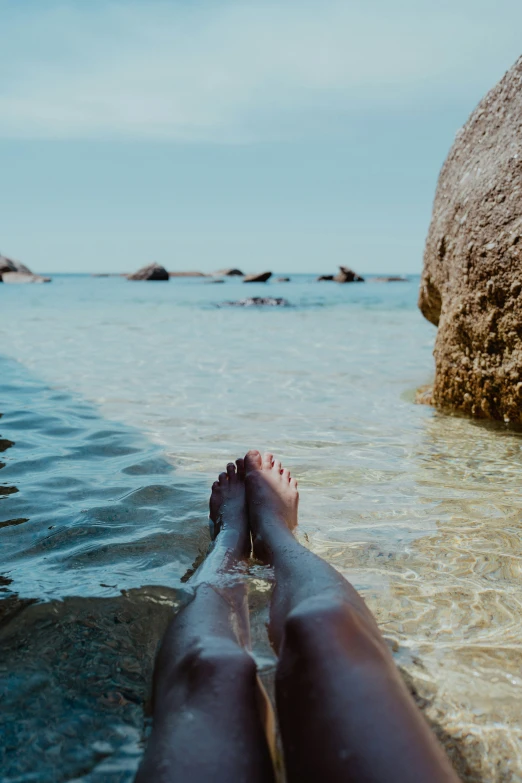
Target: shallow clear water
(126, 399)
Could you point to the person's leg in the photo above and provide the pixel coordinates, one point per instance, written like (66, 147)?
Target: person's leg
(344, 711)
(207, 705)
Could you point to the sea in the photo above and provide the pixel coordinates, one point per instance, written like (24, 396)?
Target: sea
(120, 403)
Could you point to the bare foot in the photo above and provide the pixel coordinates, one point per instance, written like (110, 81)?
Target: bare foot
(272, 500)
(227, 505)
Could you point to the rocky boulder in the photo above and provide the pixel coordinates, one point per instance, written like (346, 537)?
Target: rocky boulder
(471, 286)
(150, 272)
(261, 278)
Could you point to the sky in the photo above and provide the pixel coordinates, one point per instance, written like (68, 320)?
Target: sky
(290, 136)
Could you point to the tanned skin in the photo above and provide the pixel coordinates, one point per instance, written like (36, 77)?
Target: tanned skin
(344, 712)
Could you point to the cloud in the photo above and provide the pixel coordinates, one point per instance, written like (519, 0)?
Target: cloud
(227, 71)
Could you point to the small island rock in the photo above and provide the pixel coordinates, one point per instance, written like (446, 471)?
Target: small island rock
(15, 272)
(229, 273)
(150, 272)
(344, 275)
(282, 280)
(259, 301)
(261, 278)
(471, 286)
(392, 279)
(187, 274)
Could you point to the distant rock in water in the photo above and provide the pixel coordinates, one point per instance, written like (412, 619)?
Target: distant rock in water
(282, 280)
(258, 301)
(344, 275)
(150, 272)
(392, 279)
(261, 278)
(471, 286)
(15, 272)
(229, 273)
(187, 274)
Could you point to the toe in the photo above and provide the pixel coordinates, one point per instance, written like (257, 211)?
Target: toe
(293, 483)
(240, 468)
(286, 474)
(277, 466)
(215, 485)
(231, 470)
(223, 478)
(268, 458)
(253, 460)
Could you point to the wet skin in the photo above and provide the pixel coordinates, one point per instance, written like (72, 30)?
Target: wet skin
(344, 711)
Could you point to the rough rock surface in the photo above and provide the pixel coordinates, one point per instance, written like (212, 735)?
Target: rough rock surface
(150, 272)
(261, 278)
(472, 278)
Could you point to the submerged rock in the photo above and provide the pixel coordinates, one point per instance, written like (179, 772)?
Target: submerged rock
(259, 301)
(472, 277)
(261, 278)
(150, 272)
(15, 272)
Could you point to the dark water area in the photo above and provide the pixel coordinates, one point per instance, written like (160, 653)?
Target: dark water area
(81, 505)
(89, 502)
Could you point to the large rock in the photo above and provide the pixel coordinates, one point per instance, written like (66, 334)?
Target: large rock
(14, 272)
(472, 278)
(261, 278)
(150, 272)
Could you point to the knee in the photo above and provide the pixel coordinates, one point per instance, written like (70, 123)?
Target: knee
(212, 660)
(324, 624)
